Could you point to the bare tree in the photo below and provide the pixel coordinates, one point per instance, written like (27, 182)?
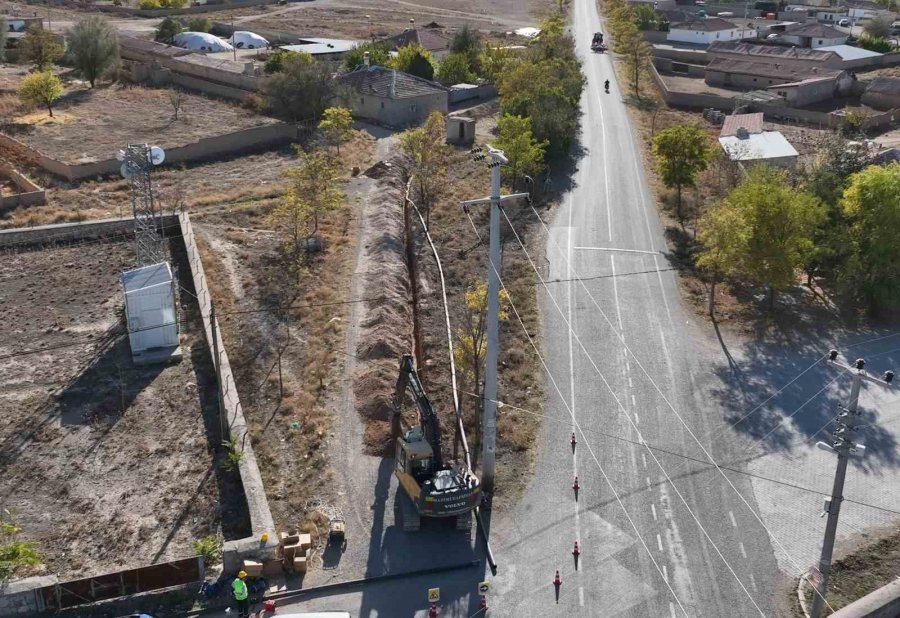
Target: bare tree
(177, 100)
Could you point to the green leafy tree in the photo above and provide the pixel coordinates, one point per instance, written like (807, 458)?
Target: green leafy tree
(149, 5)
(379, 55)
(681, 153)
(427, 152)
(493, 62)
(467, 42)
(41, 89)
(645, 17)
(199, 24)
(302, 90)
(336, 125)
(275, 61)
(470, 346)
(40, 48)
(871, 206)
(779, 224)
(93, 46)
(293, 215)
(454, 69)
(415, 60)
(167, 30)
(722, 232)
(636, 55)
(516, 140)
(313, 187)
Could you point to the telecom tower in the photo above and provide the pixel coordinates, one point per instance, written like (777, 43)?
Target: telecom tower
(138, 160)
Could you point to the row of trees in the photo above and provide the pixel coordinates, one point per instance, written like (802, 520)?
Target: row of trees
(835, 220)
(625, 24)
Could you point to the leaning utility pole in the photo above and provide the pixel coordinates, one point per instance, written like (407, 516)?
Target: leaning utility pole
(489, 406)
(843, 444)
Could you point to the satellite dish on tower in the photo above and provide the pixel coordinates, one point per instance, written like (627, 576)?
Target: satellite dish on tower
(157, 155)
(126, 173)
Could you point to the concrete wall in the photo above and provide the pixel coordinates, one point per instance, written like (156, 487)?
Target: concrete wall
(738, 80)
(883, 603)
(881, 100)
(188, 10)
(29, 193)
(691, 56)
(689, 99)
(485, 91)
(397, 112)
(21, 597)
(257, 504)
(230, 144)
(679, 68)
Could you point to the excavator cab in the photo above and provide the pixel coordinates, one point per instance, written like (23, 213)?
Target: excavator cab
(415, 456)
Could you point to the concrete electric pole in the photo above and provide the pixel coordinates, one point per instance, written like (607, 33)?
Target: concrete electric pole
(489, 422)
(843, 444)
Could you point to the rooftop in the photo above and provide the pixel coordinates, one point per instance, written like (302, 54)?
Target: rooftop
(758, 146)
(770, 51)
(884, 85)
(321, 47)
(432, 41)
(710, 24)
(816, 30)
(769, 69)
(848, 52)
(389, 83)
(752, 123)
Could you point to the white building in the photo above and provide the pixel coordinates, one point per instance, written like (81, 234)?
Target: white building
(707, 31)
(813, 35)
(831, 16)
(766, 147)
(150, 311)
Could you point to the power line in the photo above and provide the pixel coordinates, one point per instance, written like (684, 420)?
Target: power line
(578, 426)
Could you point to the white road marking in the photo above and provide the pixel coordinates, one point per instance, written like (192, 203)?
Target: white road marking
(733, 522)
(633, 402)
(581, 596)
(636, 419)
(644, 459)
(743, 551)
(614, 249)
(572, 359)
(672, 609)
(659, 542)
(628, 368)
(665, 573)
(753, 583)
(612, 263)
(653, 508)
(648, 482)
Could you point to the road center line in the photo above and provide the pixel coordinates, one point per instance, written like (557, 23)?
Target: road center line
(644, 459)
(636, 419)
(615, 249)
(665, 573)
(733, 522)
(653, 508)
(659, 542)
(743, 551)
(581, 596)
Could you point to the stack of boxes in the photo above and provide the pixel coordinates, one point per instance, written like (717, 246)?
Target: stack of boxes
(292, 555)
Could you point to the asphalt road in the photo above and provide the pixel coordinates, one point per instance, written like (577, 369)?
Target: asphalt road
(659, 536)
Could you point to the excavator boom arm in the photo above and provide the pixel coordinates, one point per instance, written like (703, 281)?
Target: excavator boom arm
(428, 420)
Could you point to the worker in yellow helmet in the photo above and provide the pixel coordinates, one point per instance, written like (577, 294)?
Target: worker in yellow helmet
(241, 594)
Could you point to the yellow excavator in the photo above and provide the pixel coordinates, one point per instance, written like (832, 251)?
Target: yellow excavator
(430, 486)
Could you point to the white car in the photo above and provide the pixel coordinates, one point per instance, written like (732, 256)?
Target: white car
(844, 22)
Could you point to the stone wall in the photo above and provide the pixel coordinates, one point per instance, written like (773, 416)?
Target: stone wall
(230, 144)
(188, 10)
(29, 193)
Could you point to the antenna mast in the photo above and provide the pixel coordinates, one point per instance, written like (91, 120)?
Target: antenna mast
(148, 241)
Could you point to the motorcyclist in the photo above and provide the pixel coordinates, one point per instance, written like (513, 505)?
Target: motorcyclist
(606, 85)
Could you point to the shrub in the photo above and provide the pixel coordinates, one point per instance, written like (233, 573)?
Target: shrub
(379, 55)
(149, 5)
(94, 47)
(233, 455)
(210, 548)
(40, 48)
(199, 24)
(167, 30)
(875, 44)
(302, 90)
(14, 554)
(276, 61)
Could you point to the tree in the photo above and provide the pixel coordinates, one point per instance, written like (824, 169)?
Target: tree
(645, 17)
(293, 214)
(871, 206)
(467, 42)
(778, 225)
(723, 235)
(3, 30)
(493, 62)
(275, 61)
(40, 48)
(427, 151)
(167, 30)
(302, 90)
(525, 154)
(471, 344)
(315, 183)
(199, 24)
(176, 99)
(878, 28)
(337, 125)
(681, 153)
(636, 54)
(41, 89)
(94, 47)
(379, 55)
(415, 60)
(454, 69)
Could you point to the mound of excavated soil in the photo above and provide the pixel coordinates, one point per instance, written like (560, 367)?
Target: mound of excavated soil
(387, 323)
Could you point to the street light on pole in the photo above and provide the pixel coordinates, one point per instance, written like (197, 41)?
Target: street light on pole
(489, 422)
(843, 444)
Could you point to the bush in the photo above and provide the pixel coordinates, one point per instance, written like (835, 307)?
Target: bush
(167, 30)
(233, 455)
(875, 44)
(93, 46)
(14, 554)
(276, 61)
(40, 48)
(149, 5)
(379, 55)
(302, 90)
(455, 69)
(199, 24)
(210, 548)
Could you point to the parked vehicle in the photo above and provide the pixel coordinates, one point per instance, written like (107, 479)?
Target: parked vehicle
(598, 38)
(844, 22)
(725, 14)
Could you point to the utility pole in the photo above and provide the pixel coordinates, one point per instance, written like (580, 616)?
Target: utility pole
(843, 444)
(489, 407)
